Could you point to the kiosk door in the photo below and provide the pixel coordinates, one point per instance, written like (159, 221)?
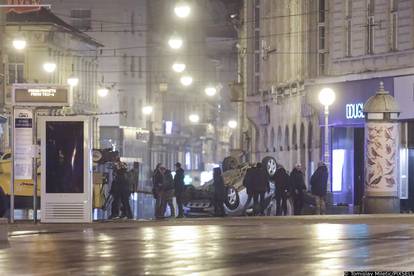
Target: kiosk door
(66, 169)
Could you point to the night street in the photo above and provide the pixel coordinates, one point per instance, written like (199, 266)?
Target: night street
(230, 246)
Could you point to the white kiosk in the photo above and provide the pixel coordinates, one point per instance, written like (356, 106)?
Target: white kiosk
(66, 173)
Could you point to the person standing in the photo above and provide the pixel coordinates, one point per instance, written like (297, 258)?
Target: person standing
(167, 193)
(260, 187)
(179, 188)
(157, 179)
(281, 179)
(219, 193)
(297, 181)
(120, 191)
(248, 182)
(319, 185)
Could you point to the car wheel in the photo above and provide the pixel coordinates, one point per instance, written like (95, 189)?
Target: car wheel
(270, 164)
(232, 199)
(230, 163)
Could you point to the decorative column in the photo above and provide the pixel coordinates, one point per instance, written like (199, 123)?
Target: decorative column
(381, 154)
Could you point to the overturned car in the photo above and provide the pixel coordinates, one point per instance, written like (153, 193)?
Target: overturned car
(199, 200)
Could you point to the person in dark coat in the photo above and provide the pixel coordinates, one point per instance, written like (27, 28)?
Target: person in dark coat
(260, 187)
(219, 193)
(179, 188)
(319, 185)
(120, 191)
(248, 182)
(167, 193)
(281, 180)
(297, 181)
(157, 179)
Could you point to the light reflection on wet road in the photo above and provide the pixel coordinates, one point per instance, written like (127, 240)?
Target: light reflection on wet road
(247, 246)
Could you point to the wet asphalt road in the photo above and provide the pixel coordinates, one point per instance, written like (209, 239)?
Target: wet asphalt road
(245, 246)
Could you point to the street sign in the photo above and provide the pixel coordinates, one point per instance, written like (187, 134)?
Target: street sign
(40, 95)
(22, 146)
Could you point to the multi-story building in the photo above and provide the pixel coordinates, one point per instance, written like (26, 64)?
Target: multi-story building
(50, 39)
(290, 50)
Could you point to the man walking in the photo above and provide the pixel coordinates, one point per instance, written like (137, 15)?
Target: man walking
(179, 188)
(319, 184)
(298, 186)
(259, 189)
(167, 193)
(281, 179)
(157, 179)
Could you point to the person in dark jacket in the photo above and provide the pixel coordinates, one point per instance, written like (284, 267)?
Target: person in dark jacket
(297, 181)
(179, 188)
(157, 179)
(248, 182)
(260, 187)
(281, 179)
(319, 185)
(219, 193)
(120, 191)
(167, 193)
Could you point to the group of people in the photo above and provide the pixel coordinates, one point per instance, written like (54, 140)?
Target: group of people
(287, 186)
(165, 187)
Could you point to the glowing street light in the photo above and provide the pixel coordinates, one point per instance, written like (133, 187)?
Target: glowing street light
(19, 43)
(73, 81)
(210, 91)
(182, 10)
(175, 42)
(232, 124)
(186, 80)
(326, 98)
(147, 110)
(49, 67)
(178, 67)
(103, 92)
(194, 118)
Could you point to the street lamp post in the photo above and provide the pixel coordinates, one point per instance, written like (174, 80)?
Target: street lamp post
(326, 98)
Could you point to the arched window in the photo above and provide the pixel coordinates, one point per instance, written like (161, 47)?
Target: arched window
(272, 140)
(302, 136)
(287, 138)
(279, 138)
(266, 140)
(310, 136)
(294, 138)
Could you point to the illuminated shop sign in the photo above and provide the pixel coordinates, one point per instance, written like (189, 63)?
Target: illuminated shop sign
(40, 95)
(354, 111)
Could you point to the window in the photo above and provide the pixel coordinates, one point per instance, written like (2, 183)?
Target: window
(321, 37)
(321, 63)
(321, 11)
(125, 65)
(393, 25)
(348, 8)
(140, 67)
(370, 35)
(16, 68)
(348, 37)
(81, 19)
(132, 67)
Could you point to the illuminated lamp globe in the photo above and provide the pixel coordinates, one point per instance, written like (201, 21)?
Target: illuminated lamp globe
(49, 67)
(73, 81)
(210, 91)
(182, 10)
(186, 80)
(175, 42)
(194, 118)
(19, 43)
(326, 96)
(103, 92)
(178, 67)
(232, 124)
(147, 110)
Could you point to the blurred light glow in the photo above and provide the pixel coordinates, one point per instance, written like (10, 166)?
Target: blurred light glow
(175, 42)
(205, 177)
(49, 67)
(326, 96)
(103, 92)
(338, 160)
(232, 124)
(19, 43)
(194, 118)
(188, 180)
(182, 10)
(73, 81)
(186, 80)
(147, 110)
(168, 127)
(210, 91)
(178, 67)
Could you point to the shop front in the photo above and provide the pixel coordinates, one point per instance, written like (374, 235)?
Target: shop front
(346, 125)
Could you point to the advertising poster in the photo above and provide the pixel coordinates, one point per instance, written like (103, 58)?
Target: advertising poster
(23, 140)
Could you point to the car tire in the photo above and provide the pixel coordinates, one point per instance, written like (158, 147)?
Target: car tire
(230, 163)
(270, 165)
(232, 200)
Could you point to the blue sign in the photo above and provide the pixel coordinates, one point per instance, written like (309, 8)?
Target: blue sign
(354, 111)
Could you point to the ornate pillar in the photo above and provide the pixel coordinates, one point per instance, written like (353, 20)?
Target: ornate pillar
(381, 154)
